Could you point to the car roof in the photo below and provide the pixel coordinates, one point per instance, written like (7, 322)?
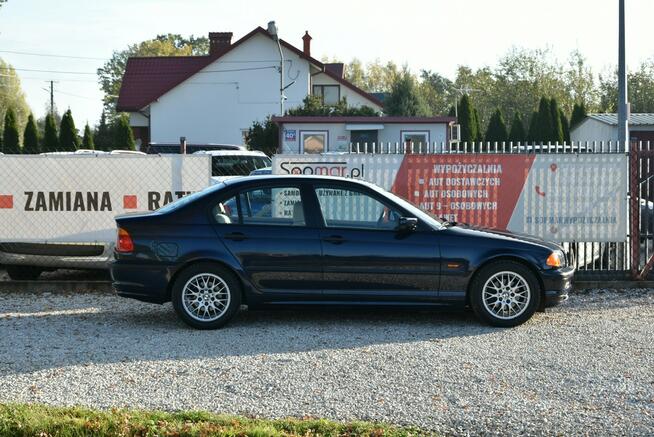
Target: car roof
(230, 153)
(296, 178)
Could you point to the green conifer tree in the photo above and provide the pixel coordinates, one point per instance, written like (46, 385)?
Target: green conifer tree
(50, 138)
(123, 137)
(31, 137)
(68, 138)
(556, 135)
(10, 136)
(496, 131)
(87, 140)
(518, 133)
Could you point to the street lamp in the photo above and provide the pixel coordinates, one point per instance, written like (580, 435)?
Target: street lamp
(272, 30)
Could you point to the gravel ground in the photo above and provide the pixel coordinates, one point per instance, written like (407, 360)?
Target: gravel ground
(586, 367)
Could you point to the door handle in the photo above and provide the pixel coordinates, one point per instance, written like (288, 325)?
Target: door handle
(334, 239)
(235, 236)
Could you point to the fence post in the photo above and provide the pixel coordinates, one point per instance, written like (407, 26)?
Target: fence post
(634, 201)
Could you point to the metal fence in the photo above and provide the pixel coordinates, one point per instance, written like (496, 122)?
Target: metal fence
(60, 207)
(631, 257)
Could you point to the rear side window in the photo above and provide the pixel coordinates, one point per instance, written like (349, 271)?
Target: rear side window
(277, 206)
(237, 165)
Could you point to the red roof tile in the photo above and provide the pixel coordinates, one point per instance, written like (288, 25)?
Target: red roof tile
(148, 78)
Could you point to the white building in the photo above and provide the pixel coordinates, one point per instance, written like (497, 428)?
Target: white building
(604, 127)
(214, 99)
(307, 134)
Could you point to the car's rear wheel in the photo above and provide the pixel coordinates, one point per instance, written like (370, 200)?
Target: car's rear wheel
(206, 296)
(505, 293)
(24, 273)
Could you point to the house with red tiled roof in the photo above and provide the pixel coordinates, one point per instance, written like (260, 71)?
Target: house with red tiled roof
(214, 99)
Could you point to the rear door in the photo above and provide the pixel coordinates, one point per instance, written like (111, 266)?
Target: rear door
(267, 228)
(365, 257)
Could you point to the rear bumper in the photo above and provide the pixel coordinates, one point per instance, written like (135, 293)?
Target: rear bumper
(147, 283)
(558, 284)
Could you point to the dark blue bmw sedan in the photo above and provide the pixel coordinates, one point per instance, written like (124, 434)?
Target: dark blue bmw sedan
(268, 241)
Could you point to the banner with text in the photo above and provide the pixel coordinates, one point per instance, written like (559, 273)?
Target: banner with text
(559, 197)
(74, 198)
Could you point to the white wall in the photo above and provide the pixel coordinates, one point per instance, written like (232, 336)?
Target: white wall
(353, 98)
(213, 107)
(339, 138)
(593, 130)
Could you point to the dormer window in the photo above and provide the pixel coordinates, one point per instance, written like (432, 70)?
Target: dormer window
(330, 94)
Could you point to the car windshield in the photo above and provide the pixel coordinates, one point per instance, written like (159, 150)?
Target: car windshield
(237, 165)
(414, 210)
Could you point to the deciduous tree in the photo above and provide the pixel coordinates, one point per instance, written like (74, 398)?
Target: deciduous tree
(405, 99)
(110, 75)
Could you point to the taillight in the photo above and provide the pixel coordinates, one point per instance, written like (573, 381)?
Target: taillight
(124, 244)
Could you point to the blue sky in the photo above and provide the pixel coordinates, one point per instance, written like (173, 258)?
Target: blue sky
(436, 35)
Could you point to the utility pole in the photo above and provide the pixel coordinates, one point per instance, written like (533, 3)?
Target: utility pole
(623, 104)
(52, 98)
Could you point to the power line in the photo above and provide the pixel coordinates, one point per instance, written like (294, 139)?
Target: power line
(47, 55)
(150, 73)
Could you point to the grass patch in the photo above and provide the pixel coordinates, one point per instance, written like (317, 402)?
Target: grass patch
(41, 420)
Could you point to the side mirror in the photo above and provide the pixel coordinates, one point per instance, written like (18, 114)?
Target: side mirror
(407, 224)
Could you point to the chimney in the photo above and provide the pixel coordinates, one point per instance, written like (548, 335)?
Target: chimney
(219, 42)
(307, 43)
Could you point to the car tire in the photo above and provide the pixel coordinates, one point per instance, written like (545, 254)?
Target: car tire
(206, 296)
(511, 293)
(23, 273)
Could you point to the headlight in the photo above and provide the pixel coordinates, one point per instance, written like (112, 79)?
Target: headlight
(555, 259)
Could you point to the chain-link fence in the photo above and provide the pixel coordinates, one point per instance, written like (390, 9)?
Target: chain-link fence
(576, 194)
(57, 210)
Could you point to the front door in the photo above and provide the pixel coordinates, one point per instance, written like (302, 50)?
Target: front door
(265, 229)
(365, 257)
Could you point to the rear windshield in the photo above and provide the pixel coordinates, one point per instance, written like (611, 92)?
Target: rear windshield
(237, 165)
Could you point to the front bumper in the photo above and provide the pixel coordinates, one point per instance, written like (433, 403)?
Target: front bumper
(147, 283)
(558, 283)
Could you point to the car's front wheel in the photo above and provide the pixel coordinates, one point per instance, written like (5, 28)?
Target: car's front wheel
(505, 293)
(206, 296)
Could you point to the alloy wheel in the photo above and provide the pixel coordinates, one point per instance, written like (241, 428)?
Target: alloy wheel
(205, 297)
(506, 295)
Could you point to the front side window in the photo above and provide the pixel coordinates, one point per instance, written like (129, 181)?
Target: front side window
(278, 206)
(346, 208)
(314, 142)
(330, 94)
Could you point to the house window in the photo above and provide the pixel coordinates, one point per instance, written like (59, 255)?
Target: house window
(418, 138)
(330, 94)
(313, 141)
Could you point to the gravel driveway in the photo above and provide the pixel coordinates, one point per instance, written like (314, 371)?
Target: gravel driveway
(586, 367)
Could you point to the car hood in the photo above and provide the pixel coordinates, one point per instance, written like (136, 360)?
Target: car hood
(501, 234)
